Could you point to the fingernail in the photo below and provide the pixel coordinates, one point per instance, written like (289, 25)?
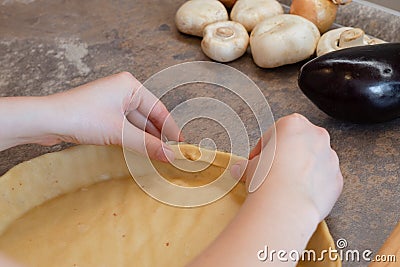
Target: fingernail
(238, 169)
(166, 154)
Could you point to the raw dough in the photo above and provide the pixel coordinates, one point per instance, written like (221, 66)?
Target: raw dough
(389, 249)
(80, 207)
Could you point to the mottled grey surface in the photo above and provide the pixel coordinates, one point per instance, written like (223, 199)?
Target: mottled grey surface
(50, 46)
(392, 4)
(378, 22)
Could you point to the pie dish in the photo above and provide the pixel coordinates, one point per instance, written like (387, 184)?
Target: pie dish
(81, 207)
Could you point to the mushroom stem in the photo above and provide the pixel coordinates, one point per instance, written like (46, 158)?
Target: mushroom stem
(350, 38)
(341, 2)
(224, 32)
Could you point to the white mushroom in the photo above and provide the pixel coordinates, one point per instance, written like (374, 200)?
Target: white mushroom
(320, 12)
(194, 15)
(283, 39)
(224, 41)
(343, 38)
(250, 12)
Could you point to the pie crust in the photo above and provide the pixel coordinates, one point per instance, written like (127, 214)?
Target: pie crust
(81, 207)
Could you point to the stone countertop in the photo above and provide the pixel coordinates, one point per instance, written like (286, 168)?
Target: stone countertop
(51, 46)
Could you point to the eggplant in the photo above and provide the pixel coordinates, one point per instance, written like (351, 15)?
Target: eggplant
(359, 84)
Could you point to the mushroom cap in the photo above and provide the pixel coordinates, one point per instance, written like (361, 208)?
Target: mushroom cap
(250, 12)
(194, 15)
(330, 41)
(283, 39)
(225, 41)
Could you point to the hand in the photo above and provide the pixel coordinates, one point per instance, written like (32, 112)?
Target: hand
(6, 262)
(94, 113)
(99, 113)
(305, 170)
(299, 190)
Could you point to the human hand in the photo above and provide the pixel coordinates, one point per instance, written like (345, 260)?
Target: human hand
(305, 170)
(95, 113)
(299, 190)
(6, 262)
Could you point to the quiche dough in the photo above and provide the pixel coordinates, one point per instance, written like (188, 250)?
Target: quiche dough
(80, 207)
(389, 249)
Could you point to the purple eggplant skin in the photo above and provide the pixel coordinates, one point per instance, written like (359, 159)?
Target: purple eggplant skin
(359, 84)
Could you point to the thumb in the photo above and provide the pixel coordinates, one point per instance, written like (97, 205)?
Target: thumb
(238, 169)
(146, 144)
(253, 172)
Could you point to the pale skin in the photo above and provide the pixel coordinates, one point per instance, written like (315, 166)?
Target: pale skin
(299, 192)
(91, 114)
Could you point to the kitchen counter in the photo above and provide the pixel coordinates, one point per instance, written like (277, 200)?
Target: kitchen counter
(51, 46)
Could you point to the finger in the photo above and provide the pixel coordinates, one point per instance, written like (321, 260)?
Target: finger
(153, 109)
(262, 142)
(145, 143)
(325, 136)
(137, 119)
(289, 120)
(170, 129)
(336, 162)
(251, 170)
(294, 123)
(339, 179)
(260, 165)
(6, 262)
(237, 170)
(257, 149)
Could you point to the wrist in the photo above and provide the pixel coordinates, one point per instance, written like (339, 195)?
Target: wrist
(295, 214)
(27, 120)
(299, 205)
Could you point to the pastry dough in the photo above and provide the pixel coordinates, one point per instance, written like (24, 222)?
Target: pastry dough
(80, 207)
(389, 253)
